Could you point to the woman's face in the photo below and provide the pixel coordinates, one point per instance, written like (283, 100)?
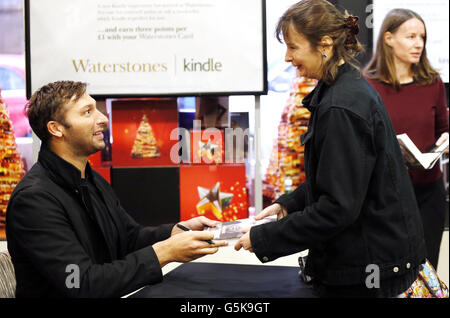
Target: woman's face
(300, 54)
(407, 42)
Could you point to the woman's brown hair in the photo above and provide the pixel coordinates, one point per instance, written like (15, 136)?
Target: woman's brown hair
(315, 19)
(382, 66)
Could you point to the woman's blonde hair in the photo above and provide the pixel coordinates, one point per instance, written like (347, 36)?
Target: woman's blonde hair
(382, 65)
(315, 19)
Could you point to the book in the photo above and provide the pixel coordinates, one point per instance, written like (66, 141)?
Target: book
(234, 229)
(415, 158)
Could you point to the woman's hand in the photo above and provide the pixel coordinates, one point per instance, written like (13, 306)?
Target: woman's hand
(244, 242)
(441, 140)
(274, 209)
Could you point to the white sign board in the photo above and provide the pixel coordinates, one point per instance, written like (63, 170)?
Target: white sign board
(148, 47)
(435, 13)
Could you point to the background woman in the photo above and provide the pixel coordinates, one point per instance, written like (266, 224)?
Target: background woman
(356, 211)
(414, 96)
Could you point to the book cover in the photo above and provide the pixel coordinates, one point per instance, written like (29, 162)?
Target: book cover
(235, 229)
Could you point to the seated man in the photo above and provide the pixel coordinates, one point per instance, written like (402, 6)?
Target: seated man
(67, 233)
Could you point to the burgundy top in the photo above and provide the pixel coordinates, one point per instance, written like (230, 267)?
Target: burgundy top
(422, 113)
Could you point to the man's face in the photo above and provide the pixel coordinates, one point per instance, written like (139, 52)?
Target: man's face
(83, 132)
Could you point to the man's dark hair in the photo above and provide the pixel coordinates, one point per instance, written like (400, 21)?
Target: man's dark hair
(47, 103)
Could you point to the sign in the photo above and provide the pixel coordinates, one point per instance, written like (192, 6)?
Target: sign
(148, 47)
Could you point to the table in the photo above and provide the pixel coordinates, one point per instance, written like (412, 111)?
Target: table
(215, 280)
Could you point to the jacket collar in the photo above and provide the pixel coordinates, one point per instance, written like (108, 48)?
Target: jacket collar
(61, 171)
(311, 101)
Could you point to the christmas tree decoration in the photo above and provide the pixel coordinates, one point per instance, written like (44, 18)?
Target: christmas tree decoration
(145, 145)
(286, 165)
(11, 164)
(158, 128)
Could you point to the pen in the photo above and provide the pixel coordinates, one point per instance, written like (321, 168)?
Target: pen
(187, 229)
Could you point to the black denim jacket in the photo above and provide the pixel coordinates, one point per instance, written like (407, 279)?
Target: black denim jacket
(357, 206)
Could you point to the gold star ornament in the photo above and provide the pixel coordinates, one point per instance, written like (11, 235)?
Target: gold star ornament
(214, 201)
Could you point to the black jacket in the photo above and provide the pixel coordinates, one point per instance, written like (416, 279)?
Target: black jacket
(46, 232)
(357, 206)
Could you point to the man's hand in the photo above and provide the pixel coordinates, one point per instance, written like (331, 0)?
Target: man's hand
(186, 247)
(195, 224)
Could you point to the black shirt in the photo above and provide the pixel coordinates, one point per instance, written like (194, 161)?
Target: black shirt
(98, 223)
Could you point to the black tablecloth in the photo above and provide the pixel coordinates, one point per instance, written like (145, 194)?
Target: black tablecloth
(212, 280)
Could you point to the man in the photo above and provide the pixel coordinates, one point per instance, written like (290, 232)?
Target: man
(67, 233)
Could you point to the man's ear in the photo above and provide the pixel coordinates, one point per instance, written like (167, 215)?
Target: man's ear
(388, 38)
(55, 128)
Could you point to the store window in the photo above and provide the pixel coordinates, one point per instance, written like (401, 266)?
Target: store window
(10, 79)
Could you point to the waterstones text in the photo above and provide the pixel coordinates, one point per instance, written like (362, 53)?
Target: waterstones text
(189, 65)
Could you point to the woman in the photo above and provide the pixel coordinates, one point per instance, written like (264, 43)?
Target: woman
(414, 96)
(356, 211)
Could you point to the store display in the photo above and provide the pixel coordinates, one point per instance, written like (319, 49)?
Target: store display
(215, 191)
(213, 201)
(208, 149)
(286, 166)
(208, 146)
(141, 130)
(11, 164)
